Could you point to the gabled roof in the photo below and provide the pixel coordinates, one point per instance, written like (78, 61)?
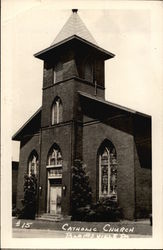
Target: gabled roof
(120, 118)
(102, 101)
(74, 26)
(30, 127)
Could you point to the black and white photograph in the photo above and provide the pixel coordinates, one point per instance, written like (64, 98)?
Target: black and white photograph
(81, 148)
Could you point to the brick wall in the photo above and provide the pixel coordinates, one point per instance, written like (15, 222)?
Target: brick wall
(62, 136)
(67, 91)
(93, 136)
(143, 189)
(25, 150)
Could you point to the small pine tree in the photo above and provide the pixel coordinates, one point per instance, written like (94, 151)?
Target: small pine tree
(81, 190)
(29, 201)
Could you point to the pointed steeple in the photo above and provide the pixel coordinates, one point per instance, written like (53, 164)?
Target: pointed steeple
(74, 26)
(73, 32)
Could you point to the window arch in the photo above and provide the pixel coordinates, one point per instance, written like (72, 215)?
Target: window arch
(107, 160)
(56, 111)
(33, 163)
(55, 156)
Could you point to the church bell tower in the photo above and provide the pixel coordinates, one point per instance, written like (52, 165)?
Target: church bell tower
(74, 62)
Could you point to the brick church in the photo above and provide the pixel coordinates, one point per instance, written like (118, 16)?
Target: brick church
(76, 122)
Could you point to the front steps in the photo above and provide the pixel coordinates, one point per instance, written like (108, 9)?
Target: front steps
(54, 217)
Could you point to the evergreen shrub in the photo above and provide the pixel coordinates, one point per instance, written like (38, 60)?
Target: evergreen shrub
(105, 210)
(29, 202)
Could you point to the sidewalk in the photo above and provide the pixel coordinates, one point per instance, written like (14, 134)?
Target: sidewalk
(141, 227)
(42, 233)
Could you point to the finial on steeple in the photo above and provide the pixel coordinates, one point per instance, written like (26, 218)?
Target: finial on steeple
(74, 10)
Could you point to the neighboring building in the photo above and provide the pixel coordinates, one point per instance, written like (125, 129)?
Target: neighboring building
(15, 165)
(76, 122)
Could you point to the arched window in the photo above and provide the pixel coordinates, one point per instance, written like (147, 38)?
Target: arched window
(56, 111)
(54, 162)
(58, 72)
(33, 163)
(107, 170)
(88, 70)
(54, 75)
(55, 156)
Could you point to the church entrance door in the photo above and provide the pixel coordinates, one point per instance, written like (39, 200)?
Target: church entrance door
(54, 191)
(55, 199)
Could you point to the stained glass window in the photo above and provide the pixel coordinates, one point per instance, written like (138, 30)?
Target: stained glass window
(107, 172)
(55, 157)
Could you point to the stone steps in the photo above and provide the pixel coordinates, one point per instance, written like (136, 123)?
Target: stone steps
(53, 217)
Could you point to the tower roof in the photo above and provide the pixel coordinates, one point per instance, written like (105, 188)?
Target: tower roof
(73, 32)
(74, 26)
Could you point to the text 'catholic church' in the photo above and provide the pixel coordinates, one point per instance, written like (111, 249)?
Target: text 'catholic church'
(76, 122)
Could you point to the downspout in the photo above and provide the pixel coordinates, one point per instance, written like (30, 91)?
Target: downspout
(38, 188)
(135, 200)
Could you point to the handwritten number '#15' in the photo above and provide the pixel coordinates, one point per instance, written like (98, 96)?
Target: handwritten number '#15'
(27, 225)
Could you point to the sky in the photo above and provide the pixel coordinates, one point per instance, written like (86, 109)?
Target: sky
(130, 31)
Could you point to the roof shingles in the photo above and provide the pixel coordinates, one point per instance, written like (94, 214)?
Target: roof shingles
(74, 26)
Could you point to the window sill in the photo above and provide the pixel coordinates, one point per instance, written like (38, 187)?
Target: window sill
(54, 166)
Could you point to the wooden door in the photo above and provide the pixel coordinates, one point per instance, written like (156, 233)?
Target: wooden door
(55, 199)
